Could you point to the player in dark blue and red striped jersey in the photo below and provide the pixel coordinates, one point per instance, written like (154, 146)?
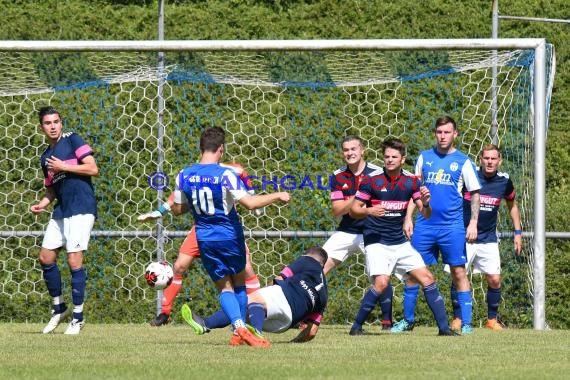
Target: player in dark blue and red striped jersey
(67, 165)
(382, 204)
(347, 239)
(483, 253)
(299, 294)
(209, 190)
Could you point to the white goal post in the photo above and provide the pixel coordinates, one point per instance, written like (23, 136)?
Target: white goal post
(539, 101)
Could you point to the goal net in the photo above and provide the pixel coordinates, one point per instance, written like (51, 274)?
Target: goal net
(285, 113)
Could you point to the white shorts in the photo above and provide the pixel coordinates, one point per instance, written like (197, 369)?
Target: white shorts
(279, 316)
(73, 232)
(485, 258)
(384, 259)
(340, 245)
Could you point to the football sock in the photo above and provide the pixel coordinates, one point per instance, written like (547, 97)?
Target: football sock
(455, 302)
(52, 278)
(170, 294)
(493, 299)
(466, 305)
(385, 302)
(410, 299)
(256, 314)
(241, 296)
(252, 284)
(78, 281)
(230, 306)
(217, 320)
(437, 306)
(371, 297)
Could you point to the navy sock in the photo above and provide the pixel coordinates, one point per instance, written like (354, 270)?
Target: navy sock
(385, 302)
(78, 281)
(410, 299)
(217, 320)
(256, 314)
(493, 299)
(455, 302)
(437, 306)
(366, 306)
(52, 278)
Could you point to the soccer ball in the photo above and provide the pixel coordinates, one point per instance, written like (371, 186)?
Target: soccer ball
(158, 274)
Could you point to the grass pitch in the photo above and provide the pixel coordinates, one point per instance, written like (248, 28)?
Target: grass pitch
(175, 352)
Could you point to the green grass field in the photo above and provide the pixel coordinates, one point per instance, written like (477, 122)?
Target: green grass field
(175, 352)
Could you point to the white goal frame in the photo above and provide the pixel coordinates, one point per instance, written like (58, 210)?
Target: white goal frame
(539, 97)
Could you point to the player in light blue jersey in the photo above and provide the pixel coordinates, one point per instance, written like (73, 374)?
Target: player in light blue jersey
(445, 171)
(68, 165)
(209, 190)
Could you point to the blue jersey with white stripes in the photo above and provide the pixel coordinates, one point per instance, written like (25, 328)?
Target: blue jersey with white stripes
(446, 175)
(211, 190)
(493, 190)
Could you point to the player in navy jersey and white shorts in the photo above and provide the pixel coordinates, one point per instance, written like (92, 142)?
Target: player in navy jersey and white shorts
(483, 254)
(445, 171)
(68, 165)
(382, 204)
(347, 239)
(299, 294)
(209, 190)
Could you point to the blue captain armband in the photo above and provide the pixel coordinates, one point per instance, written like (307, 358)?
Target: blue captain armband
(518, 232)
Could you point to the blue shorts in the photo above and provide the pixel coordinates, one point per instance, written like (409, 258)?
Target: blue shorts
(429, 242)
(222, 258)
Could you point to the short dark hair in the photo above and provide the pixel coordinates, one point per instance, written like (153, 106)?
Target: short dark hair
(47, 110)
(211, 139)
(394, 143)
(352, 138)
(318, 253)
(445, 120)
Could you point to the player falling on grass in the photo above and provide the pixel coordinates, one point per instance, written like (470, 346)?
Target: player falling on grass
(188, 252)
(299, 295)
(382, 203)
(445, 171)
(209, 190)
(347, 239)
(483, 253)
(68, 165)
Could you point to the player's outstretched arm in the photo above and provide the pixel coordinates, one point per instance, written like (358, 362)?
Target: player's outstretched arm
(258, 201)
(307, 334)
(164, 209)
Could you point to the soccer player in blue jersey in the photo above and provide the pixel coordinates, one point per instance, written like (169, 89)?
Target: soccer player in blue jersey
(299, 294)
(347, 239)
(382, 204)
(68, 165)
(445, 171)
(209, 190)
(483, 253)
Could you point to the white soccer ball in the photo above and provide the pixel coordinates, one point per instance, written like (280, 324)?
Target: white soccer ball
(158, 274)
